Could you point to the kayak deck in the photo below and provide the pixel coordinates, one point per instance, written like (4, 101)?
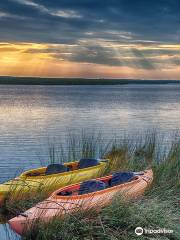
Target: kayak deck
(72, 166)
(75, 189)
(58, 205)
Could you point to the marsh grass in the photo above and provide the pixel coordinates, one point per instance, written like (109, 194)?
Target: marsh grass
(77, 146)
(117, 221)
(159, 208)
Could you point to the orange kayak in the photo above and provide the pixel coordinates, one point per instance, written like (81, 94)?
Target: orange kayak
(94, 194)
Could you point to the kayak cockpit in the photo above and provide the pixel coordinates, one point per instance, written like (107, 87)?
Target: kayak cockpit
(52, 169)
(98, 184)
(62, 168)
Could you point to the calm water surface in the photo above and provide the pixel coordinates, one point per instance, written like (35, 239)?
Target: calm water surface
(30, 115)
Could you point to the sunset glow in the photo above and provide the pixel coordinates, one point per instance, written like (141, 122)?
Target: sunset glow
(116, 40)
(31, 59)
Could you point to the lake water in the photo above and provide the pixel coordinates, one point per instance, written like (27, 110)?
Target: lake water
(31, 115)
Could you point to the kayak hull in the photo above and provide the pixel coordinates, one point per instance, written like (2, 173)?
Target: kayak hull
(59, 206)
(25, 186)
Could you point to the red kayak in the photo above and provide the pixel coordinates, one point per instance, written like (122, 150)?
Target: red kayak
(95, 194)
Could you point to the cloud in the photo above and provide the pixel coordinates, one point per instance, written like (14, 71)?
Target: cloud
(137, 34)
(89, 60)
(142, 20)
(32, 4)
(135, 56)
(8, 49)
(66, 14)
(2, 14)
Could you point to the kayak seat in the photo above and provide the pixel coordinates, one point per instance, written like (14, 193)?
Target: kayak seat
(91, 186)
(87, 162)
(65, 193)
(120, 178)
(69, 168)
(33, 174)
(55, 168)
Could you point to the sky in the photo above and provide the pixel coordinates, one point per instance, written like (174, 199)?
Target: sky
(90, 38)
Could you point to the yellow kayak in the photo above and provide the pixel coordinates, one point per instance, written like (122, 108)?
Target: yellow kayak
(52, 177)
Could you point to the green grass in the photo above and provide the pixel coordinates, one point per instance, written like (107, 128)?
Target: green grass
(116, 221)
(159, 208)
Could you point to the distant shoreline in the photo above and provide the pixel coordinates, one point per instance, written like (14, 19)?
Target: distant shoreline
(4, 80)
